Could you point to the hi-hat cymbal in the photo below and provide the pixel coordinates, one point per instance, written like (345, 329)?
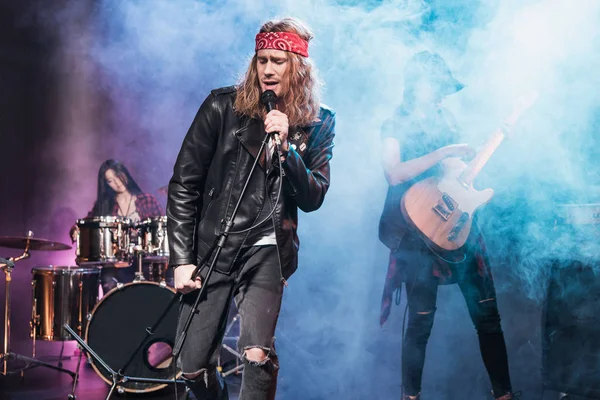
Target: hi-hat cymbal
(19, 242)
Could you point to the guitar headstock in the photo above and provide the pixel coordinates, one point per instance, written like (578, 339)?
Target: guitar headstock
(524, 101)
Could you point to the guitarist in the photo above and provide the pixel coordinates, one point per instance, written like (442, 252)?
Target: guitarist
(415, 139)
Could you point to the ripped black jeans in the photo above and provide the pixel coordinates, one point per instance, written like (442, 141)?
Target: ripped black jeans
(256, 285)
(480, 296)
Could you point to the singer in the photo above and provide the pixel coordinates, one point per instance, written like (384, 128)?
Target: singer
(278, 95)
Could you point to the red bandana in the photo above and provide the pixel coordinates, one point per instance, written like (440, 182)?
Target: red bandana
(286, 41)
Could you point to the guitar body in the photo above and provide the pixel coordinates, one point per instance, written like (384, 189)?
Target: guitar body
(442, 209)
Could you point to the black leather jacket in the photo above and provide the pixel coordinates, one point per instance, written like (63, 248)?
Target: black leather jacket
(212, 166)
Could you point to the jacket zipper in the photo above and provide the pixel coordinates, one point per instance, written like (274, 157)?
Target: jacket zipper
(197, 221)
(232, 181)
(277, 242)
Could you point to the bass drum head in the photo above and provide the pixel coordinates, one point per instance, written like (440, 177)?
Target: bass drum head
(118, 325)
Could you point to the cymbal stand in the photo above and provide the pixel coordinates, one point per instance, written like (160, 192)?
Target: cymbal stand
(7, 265)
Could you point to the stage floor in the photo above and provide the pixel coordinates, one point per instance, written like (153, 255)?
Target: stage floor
(42, 383)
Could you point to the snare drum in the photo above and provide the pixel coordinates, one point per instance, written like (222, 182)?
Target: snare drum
(103, 240)
(154, 241)
(62, 294)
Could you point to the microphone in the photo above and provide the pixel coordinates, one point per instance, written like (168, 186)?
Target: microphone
(269, 99)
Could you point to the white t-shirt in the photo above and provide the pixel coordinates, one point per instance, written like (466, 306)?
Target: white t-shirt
(268, 239)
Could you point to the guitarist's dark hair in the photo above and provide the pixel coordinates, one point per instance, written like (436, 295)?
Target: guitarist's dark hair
(432, 68)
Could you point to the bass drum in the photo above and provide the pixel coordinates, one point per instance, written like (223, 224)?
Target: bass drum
(117, 326)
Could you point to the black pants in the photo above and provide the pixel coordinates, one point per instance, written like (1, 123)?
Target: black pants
(256, 285)
(480, 296)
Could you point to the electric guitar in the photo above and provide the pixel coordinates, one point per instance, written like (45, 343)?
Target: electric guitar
(442, 208)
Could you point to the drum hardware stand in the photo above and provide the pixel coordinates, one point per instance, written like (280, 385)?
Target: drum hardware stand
(238, 367)
(58, 358)
(7, 265)
(76, 378)
(116, 376)
(61, 356)
(137, 256)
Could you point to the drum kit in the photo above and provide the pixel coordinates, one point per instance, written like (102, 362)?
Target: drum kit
(66, 303)
(131, 327)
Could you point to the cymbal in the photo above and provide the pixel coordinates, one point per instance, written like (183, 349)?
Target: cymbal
(19, 242)
(163, 189)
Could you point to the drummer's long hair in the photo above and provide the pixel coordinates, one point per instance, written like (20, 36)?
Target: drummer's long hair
(105, 201)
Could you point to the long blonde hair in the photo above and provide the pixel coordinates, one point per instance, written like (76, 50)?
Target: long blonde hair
(300, 100)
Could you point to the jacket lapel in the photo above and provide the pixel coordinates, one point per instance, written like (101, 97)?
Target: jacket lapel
(251, 135)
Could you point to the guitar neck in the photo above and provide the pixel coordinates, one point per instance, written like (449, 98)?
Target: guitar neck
(486, 152)
(482, 157)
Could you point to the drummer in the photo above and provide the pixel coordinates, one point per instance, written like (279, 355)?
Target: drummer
(119, 195)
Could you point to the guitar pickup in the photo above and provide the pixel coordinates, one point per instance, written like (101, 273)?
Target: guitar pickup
(463, 218)
(448, 201)
(445, 207)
